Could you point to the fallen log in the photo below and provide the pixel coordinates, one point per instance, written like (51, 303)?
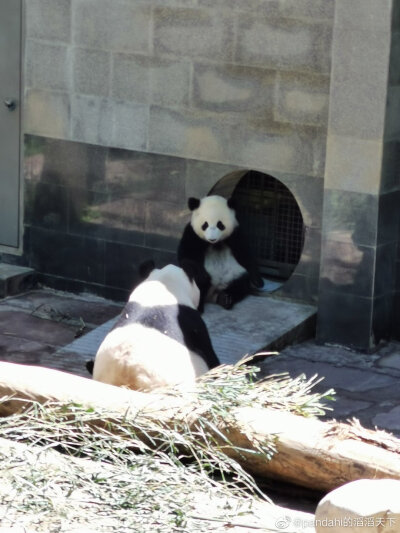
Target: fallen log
(310, 453)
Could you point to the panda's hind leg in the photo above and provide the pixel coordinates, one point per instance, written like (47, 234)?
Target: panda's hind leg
(234, 292)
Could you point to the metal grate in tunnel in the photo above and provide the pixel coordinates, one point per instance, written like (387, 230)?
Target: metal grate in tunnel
(272, 222)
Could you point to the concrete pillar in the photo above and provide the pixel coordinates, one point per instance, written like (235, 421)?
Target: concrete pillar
(361, 191)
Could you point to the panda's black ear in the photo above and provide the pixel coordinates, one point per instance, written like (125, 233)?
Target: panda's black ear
(231, 203)
(193, 203)
(145, 268)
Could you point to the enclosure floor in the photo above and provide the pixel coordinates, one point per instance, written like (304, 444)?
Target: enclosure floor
(40, 327)
(253, 324)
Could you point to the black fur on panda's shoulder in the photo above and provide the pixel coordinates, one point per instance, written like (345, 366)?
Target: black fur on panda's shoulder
(191, 246)
(244, 256)
(179, 322)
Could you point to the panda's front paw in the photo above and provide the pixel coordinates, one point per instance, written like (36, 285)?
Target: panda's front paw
(225, 300)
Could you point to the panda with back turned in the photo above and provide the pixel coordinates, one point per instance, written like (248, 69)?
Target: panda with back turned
(213, 240)
(160, 338)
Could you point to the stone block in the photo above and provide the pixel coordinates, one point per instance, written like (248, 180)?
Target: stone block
(279, 149)
(283, 44)
(298, 9)
(359, 83)
(47, 66)
(161, 81)
(188, 134)
(307, 9)
(362, 506)
(49, 19)
(202, 176)
(234, 89)
(170, 81)
(302, 99)
(353, 164)
(92, 120)
(131, 77)
(193, 32)
(91, 71)
(47, 113)
(120, 25)
(131, 122)
(364, 14)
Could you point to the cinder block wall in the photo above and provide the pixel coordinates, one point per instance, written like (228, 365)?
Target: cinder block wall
(244, 83)
(131, 106)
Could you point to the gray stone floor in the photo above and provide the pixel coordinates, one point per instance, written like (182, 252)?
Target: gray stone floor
(62, 331)
(45, 327)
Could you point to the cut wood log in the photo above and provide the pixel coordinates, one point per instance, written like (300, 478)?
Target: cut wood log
(310, 452)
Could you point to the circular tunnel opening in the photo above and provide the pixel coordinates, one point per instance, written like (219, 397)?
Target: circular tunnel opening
(271, 221)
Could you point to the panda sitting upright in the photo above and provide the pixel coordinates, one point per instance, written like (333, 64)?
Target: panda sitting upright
(212, 239)
(160, 338)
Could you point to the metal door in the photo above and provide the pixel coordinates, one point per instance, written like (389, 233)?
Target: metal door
(10, 139)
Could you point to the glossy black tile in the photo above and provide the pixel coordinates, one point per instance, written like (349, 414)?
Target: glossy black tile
(350, 216)
(78, 287)
(75, 257)
(388, 221)
(390, 180)
(345, 319)
(46, 205)
(309, 264)
(300, 288)
(122, 263)
(382, 318)
(385, 269)
(97, 214)
(164, 225)
(146, 176)
(396, 316)
(347, 267)
(66, 163)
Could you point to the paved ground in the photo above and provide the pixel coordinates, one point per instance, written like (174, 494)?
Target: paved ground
(60, 330)
(41, 327)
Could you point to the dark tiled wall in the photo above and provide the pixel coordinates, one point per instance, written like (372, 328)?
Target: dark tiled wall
(93, 214)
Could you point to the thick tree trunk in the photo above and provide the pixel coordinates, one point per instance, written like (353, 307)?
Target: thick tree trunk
(310, 453)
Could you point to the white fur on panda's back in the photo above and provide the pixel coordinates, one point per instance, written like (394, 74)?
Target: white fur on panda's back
(222, 267)
(168, 286)
(143, 358)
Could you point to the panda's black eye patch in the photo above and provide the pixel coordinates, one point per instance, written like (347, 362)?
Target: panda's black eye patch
(204, 226)
(220, 226)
